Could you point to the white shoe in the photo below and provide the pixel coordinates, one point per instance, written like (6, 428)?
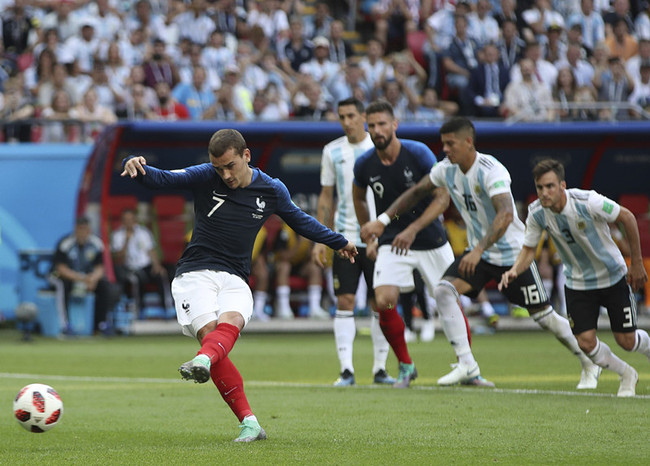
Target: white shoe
(284, 313)
(465, 375)
(319, 314)
(629, 379)
(410, 336)
(589, 377)
(428, 331)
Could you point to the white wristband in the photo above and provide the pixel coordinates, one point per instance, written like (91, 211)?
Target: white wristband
(384, 219)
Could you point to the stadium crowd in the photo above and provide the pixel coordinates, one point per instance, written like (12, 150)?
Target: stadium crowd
(94, 62)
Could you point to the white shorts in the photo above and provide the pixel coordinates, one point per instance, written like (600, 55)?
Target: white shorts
(203, 295)
(392, 269)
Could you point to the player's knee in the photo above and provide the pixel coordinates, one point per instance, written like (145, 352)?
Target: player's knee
(346, 302)
(444, 291)
(627, 341)
(587, 343)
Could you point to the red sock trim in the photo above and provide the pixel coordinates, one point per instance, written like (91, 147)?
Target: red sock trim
(392, 326)
(219, 342)
(230, 384)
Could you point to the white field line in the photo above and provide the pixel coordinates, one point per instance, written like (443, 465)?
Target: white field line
(135, 380)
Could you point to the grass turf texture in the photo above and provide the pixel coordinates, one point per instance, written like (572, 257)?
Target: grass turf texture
(125, 404)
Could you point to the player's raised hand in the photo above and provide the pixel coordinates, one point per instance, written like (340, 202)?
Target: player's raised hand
(133, 166)
(319, 254)
(371, 230)
(348, 252)
(507, 278)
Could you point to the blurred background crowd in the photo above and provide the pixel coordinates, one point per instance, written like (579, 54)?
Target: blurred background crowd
(69, 67)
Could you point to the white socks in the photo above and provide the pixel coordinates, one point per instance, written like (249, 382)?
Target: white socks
(603, 357)
(642, 344)
(550, 320)
(259, 302)
(453, 322)
(380, 345)
(344, 332)
(315, 293)
(282, 295)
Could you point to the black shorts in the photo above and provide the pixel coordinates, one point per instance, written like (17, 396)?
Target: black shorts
(583, 307)
(346, 275)
(526, 291)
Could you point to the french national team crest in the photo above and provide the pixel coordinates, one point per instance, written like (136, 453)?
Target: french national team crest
(260, 204)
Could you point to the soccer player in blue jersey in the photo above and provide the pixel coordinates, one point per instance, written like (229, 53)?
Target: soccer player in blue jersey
(595, 270)
(479, 186)
(336, 176)
(232, 200)
(414, 240)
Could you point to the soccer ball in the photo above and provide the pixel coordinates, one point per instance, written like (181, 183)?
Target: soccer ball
(38, 407)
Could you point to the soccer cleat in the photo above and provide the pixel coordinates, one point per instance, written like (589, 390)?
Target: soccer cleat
(382, 377)
(428, 331)
(589, 377)
(461, 374)
(493, 321)
(407, 373)
(520, 312)
(319, 314)
(346, 379)
(410, 336)
(284, 313)
(198, 369)
(629, 379)
(250, 431)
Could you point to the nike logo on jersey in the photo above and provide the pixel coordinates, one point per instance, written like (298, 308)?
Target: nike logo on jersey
(374, 178)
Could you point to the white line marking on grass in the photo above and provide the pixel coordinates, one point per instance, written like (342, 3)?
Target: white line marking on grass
(253, 383)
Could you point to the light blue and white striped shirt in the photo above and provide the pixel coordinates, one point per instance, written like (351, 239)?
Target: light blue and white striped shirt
(582, 237)
(337, 170)
(472, 194)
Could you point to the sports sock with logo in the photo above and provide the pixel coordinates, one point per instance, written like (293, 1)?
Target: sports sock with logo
(230, 384)
(218, 343)
(393, 327)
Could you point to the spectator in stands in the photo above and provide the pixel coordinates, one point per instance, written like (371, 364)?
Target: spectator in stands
(620, 11)
(16, 105)
(136, 261)
(340, 49)
(109, 94)
(544, 72)
(216, 55)
(408, 71)
(242, 96)
(509, 13)
(482, 25)
(393, 20)
(58, 127)
(195, 23)
(78, 269)
(134, 48)
(138, 104)
(271, 18)
(399, 96)
(93, 115)
(324, 71)
(591, 24)
(459, 60)
(554, 47)
(186, 73)
(108, 25)
(614, 85)
(49, 40)
(641, 94)
(353, 82)
(273, 74)
(318, 24)
(642, 22)
(538, 19)
(633, 64)
(159, 67)
(443, 22)
(196, 95)
(527, 99)
(487, 83)
(58, 81)
(620, 42)
(252, 76)
(83, 47)
(511, 46)
(375, 69)
(297, 49)
(117, 75)
(40, 71)
(60, 18)
(582, 69)
(142, 17)
(567, 91)
(167, 108)
(430, 109)
(310, 102)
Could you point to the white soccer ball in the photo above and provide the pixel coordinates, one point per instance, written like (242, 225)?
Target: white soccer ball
(38, 407)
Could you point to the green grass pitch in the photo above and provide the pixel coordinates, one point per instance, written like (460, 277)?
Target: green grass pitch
(124, 403)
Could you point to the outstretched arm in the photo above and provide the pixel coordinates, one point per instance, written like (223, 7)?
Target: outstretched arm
(134, 166)
(504, 215)
(524, 259)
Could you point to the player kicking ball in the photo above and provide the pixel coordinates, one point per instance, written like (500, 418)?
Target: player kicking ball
(232, 200)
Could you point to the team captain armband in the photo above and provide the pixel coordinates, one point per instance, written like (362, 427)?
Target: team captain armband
(384, 219)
